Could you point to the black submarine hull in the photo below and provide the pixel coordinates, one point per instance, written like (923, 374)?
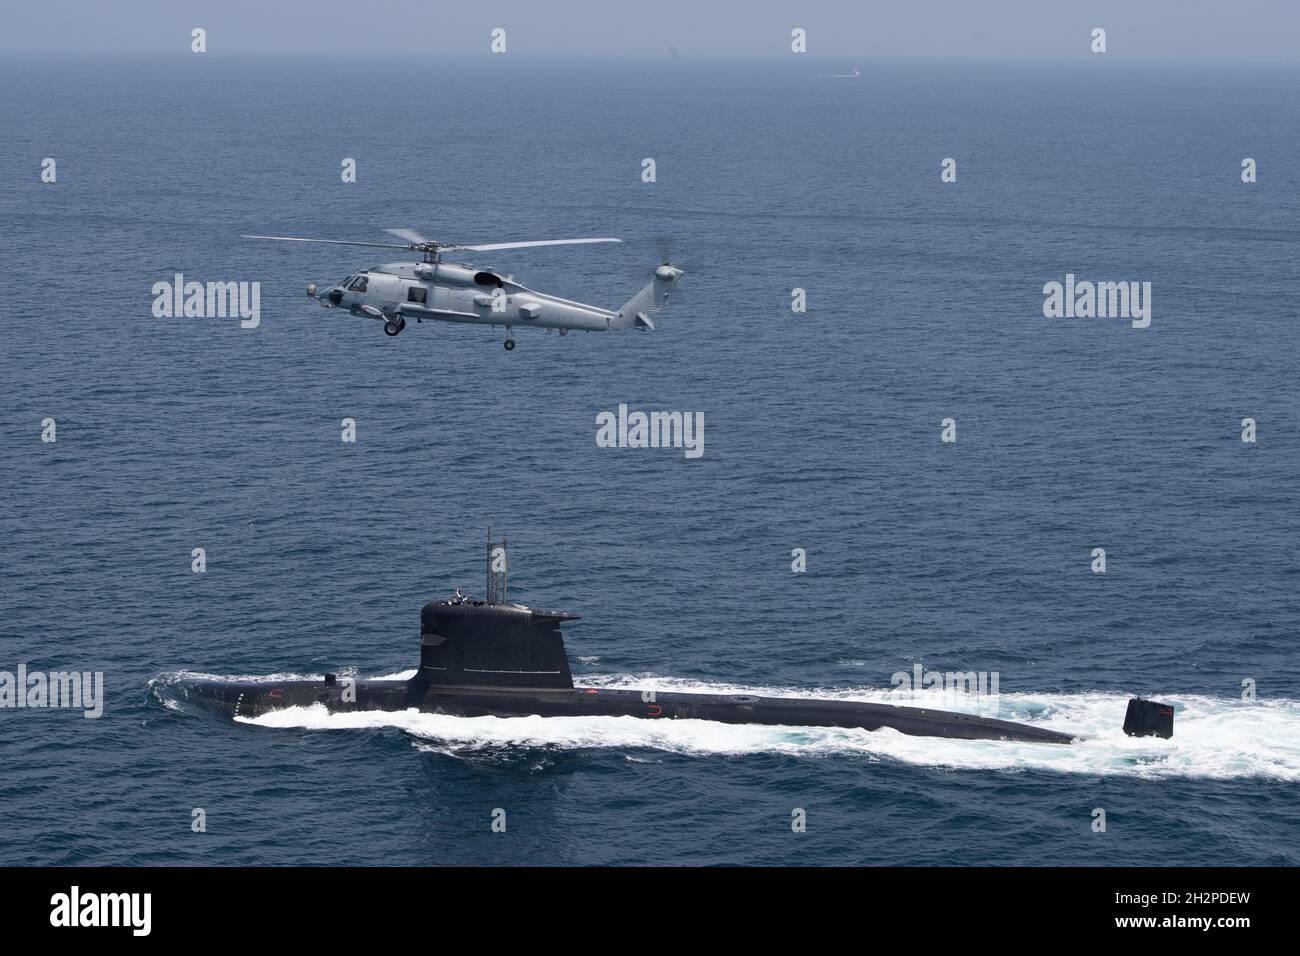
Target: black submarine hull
(493, 658)
(253, 699)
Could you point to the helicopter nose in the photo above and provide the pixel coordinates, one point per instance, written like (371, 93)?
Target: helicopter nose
(335, 296)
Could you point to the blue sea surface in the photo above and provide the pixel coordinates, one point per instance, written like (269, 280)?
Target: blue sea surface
(925, 302)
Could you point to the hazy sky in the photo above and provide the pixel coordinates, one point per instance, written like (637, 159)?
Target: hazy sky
(1016, 29)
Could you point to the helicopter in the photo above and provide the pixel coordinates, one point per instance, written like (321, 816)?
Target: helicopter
(454, 292)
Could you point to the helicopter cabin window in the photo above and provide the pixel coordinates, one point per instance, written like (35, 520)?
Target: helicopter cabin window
(417, 293)
(487, 278)
(359, 284)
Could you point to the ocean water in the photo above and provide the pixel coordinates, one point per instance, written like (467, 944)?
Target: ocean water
(822, 432)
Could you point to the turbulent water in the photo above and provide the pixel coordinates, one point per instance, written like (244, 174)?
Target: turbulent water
(1215, 740)
(925, 302)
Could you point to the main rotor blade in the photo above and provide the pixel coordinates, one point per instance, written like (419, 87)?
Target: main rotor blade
(485, 247)
(332, 242)
(410, 235)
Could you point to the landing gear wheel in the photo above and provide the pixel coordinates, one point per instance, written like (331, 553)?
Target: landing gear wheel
(393, 328)
(510, 344)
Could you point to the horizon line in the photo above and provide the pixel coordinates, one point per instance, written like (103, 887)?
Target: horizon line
(865, 58)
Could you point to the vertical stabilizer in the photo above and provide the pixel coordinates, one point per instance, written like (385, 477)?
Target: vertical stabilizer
(636, 312)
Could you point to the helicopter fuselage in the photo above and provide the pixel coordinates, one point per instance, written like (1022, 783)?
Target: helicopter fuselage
(453, 292)
(450, 292)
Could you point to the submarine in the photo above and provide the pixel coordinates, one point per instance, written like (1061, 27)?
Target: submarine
(495, 658)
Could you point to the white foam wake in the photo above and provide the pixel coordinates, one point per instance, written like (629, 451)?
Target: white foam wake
(1213, 738)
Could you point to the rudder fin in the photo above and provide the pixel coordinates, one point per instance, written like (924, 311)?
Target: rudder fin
(1147, 718)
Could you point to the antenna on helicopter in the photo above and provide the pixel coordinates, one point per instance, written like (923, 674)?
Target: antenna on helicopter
(497, 570)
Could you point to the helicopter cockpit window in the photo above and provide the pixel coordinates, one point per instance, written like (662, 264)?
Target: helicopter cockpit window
(359, 284)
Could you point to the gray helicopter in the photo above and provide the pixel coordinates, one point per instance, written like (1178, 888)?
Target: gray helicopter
(452, 292)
